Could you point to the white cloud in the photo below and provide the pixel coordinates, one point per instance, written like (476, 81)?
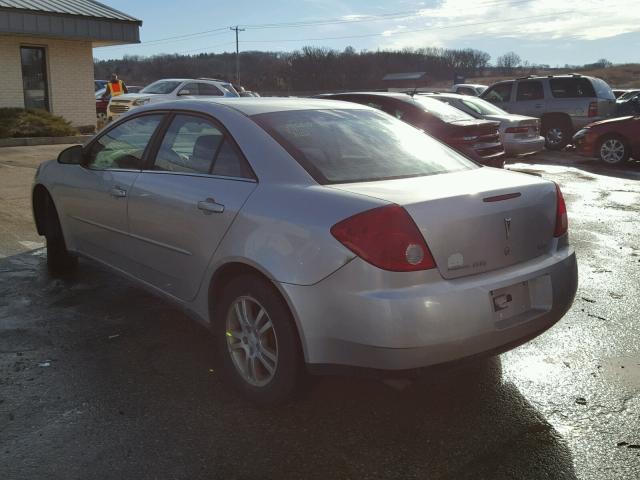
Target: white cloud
(517, 19)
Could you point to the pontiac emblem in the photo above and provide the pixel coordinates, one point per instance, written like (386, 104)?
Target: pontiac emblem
(507, 227)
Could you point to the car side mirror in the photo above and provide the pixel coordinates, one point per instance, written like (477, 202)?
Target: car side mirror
(184, 91)
(72, 155)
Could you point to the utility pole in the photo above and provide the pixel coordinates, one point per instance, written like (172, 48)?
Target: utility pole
(237, 53)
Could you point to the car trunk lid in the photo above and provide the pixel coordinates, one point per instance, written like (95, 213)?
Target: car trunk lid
(470, 229)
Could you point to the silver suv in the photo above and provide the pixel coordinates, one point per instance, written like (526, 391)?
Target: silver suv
(564, 103)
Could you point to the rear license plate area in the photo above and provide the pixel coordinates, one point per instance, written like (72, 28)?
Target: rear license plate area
(511, 301)
(521, 302)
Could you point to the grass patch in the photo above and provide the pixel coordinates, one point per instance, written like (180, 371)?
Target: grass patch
(17, 122)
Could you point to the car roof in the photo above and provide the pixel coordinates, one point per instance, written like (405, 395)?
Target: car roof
(469, 85)
(444, 94)
(398, 95)
(188, 80)
(256, 105)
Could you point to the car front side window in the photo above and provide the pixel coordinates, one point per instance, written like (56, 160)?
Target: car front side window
(499, 93)
(123, 146)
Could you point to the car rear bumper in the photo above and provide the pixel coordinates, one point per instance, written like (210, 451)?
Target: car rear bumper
(388, 324)
(523, 146)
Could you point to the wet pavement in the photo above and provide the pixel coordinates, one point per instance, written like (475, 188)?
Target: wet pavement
(98, 379)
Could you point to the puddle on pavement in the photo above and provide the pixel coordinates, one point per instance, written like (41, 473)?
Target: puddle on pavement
(623, 371)
(626, 198)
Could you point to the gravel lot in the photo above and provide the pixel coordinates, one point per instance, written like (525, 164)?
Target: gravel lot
(98, 379)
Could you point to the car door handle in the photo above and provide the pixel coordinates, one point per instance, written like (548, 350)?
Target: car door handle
(210, 206)
(118, 192)
(539, 105)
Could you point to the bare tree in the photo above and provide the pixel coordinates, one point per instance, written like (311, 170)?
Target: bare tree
(311, 69)
(508, 62)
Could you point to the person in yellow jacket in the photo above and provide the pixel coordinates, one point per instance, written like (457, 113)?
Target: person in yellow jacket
(114, 87)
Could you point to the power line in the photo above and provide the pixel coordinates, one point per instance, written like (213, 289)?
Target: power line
(179, 38)
(237, 29)
(310, 23)
(404, 32)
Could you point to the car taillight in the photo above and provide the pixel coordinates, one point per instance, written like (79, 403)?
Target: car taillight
(562, 223)
(386, 237)
(517, 130)
(593, 109)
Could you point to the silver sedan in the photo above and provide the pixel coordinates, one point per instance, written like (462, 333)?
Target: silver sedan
(520, 135)
(312, 235)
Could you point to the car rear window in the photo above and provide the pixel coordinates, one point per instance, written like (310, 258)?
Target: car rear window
(344, 146)
(571, 88)
(482, 106)
(443, 111)
(603, 90)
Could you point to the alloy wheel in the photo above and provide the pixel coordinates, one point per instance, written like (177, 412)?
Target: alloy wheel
(612, 151)
(555, 136)
(252, 341)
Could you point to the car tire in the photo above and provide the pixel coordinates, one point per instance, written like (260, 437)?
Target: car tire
(557, 134)
(59, 260)
(258, 340)
(613, 150)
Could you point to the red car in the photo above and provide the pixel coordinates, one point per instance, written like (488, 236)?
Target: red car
(613, 141)
(477, 139)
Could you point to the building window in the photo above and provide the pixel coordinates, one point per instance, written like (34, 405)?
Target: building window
(34, 77)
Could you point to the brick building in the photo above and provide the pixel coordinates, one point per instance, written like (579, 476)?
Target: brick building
(46, 53)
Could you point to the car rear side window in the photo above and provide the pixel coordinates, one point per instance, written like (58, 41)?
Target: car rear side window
(123, 146)
(498, 93)
(571, 88)
(209, 89)
(529, 90)
(195, 145)
(343, 146)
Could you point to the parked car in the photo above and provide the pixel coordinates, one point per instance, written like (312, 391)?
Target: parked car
(613, 141)
(99, 84)
(627, 94)
(520, 135)
(472, 89)
(169, 89)
(101, 105)
(564, 103)
(312, 232)
(628, 104)
(618, 92)
(478, 139)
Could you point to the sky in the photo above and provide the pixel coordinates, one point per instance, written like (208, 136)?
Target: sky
(553, 32)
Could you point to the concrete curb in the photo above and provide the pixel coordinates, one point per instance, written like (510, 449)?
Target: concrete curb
(29, 141)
